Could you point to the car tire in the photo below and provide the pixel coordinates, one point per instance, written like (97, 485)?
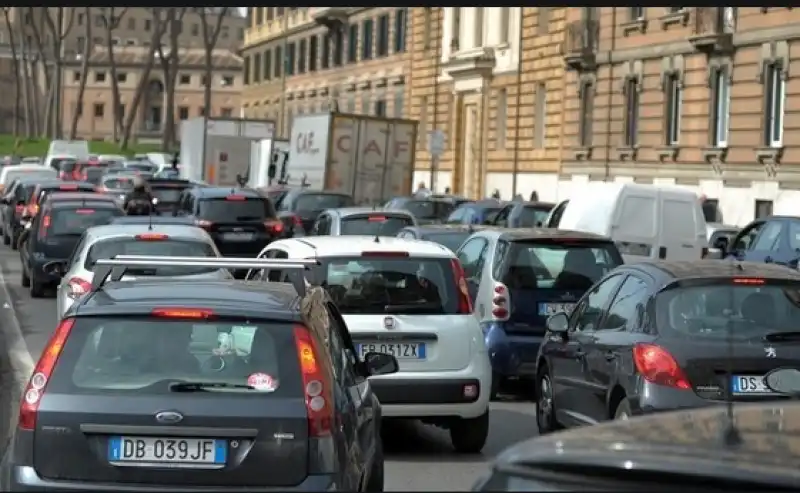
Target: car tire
(375, 481)
(623, 411)
(495, 389)
(36, 288)
(25, 280)
(468, 435)
(546, 420)
(14, 239)
(6, 238)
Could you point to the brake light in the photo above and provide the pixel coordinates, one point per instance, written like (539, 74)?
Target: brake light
(316, 383)
(297, 220)
(195, 313)
(44, 225)
(19, 208)
(33, 209)
(656, 365)
(68, 187)
(84, 211)
(274, 226)
(500, 302)
(42, 372)
(748, 280)
(376, 219)
(151, 237)
(235, 197)
(202, 223)
(78, 287)
(384, 254)
(464, 301)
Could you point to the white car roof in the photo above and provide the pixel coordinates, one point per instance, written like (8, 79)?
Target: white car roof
(351, 246)
(180, 231)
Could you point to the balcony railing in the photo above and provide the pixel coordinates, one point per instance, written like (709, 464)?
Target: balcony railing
(582, 42)
(714, 21)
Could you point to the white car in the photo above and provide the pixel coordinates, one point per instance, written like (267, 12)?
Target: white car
(408, 298)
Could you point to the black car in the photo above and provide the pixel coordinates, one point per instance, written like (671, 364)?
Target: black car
(54, 234)
(202, 385)
(168, 192)
(299, 208)
(523, 215)
(480, 212)
(240, 220)
(12, 205)
(425, 210)
(447, 235)
(652, 337)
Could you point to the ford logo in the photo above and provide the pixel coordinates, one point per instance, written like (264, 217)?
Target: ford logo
(169, 417)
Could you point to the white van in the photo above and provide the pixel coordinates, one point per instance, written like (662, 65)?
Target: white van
(61, 149)
(645, 221)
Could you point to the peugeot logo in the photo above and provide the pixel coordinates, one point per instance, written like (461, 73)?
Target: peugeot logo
(770, 352)
(169, 417)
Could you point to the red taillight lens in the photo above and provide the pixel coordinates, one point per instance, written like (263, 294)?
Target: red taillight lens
(274, 226)
(202, 223)
(78, 287)
(196, 313)
(464, 301)
(316, 382)
(152, 237)
(500, 303)
(376, 219)
(656, 365)
(748, 280)
(236, 197)
(44, 225)
(297, 221)
(19, 209)
(69, 187)
(34, 391)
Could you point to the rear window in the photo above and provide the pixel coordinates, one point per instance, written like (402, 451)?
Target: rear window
(374, 285)
(70, 221)
(224, 210)
(62, 164)
(574, 265)
(139, 356)
(321, 201)
(533, 216)
(374, 225)
(171, 247)
(448, 240)
(714, 310)
(429, 209)
(94, 175)
(120, 183)
(167, 194)
(48, 191)
(43, 174)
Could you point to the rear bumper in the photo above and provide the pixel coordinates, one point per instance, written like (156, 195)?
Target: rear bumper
(25, 478)
(511, 355)
(654, 398)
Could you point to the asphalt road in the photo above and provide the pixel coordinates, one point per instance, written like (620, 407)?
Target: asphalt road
(418, 458)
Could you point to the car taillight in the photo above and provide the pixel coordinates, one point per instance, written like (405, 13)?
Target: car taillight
(42, 372)
(316, 384)
(501, 303)
(43, 226)
(19, 209)
(151, 237)
(78, 287)
(202, 223)
(297, 221)
(656, 365)
(274, 226)
(236, 197)
(196, 313)
(464, 301)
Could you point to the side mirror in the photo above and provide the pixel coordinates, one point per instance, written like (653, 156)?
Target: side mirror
(558, 323)
(721, 244)
(715, 254)
(783, 381)
(55, 268)
(380, 364)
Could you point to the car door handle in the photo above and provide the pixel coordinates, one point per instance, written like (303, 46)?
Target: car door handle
(610, 355)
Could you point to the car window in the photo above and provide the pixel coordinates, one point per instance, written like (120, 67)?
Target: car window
(532, 217)
(588, 313)
(69, 221)
(169, 194)
(428, 209)
(748, 235)
(13, 174)
(225, 210)
(628, 305)
(794, 235)
(140, 356)
(373, 224)
(119, 182)
(451, 240)
(457, 215)
(768, 238)
(471, 256)
(173, 247)
(321, 201)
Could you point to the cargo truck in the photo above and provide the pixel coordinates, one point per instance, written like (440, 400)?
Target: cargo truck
(217, 150)
(370, 158)
(269, 159)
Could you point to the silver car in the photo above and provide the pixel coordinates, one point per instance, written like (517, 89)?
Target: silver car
(361, 221)
(110, 240)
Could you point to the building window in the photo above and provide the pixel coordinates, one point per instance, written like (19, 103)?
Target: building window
(365, 100)
(122, 77)
(631, 112)
(302, 46)
(775, 92)
(226, 112)
(366, 39)
(267, 68)
(636, 13)
(99, 76)
(351, 103)
(399, 99)
(76, 76)
(541, 116)
(259, 16)
(763, 208)
(270, 13)
(246, 72)
(382, 44)
(380, 107)
(338, 48)
(711, 211)
(542, 23)
(586, 115)
(186, 79)
(148, 24)
(427, 24)
(291, 56)
(352, 43)
(228, 80)
(99, 110)
(278, 11)
(400, 21)
(313, 44)
(501, 119)
(183, 112)
(203, 81)
(721, 107)
(256, 64)
(278, 61)
(673, 101)
(201, 111)
(325, 59)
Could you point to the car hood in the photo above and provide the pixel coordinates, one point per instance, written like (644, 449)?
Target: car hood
(680, 442)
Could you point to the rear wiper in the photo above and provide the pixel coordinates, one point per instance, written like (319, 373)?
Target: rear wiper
(782, 336)
(248, 218)
(205, 386)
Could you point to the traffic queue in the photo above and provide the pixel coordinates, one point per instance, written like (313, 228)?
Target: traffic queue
(261, 338)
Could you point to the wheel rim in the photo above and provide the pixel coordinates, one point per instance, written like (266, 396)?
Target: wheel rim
(545, 403)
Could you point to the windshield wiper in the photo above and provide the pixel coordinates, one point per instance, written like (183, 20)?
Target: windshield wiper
(205, 386)
(782, 336)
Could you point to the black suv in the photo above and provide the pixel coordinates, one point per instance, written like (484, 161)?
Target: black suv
(240, 220)
(199, 386)
(168, 192)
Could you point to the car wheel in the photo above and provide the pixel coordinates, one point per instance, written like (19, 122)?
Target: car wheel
(468, 435)
(26, 281)
(36, 288)
(376, 475)
(623, 411)
(545, 404)
(14, 240)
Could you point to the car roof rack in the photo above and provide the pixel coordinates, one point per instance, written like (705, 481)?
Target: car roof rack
(114, 269)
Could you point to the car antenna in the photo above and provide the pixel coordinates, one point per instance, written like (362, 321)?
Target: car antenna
(150, 218)
(377, 239)
(730, 432)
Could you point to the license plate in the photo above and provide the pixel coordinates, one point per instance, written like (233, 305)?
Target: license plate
(167, 452)
(400, 350)
(749, 384)
(551, 308)
(237, 236)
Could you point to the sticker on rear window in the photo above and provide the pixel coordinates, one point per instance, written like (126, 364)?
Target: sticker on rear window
(262, 382)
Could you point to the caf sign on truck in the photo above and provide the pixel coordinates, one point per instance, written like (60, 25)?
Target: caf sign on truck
(370, 158)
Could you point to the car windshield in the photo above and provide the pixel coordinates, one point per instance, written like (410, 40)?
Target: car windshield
(374, 225)
(321, 201)
(69, 221)
(721, 308)
(375, 285)
(532, 216)
(166, 194)
(42, 174)
(451, 240)
(224, 210)
(136, 356)
(119, 183)
(170, 247)
(567, 265)
(428, 209)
